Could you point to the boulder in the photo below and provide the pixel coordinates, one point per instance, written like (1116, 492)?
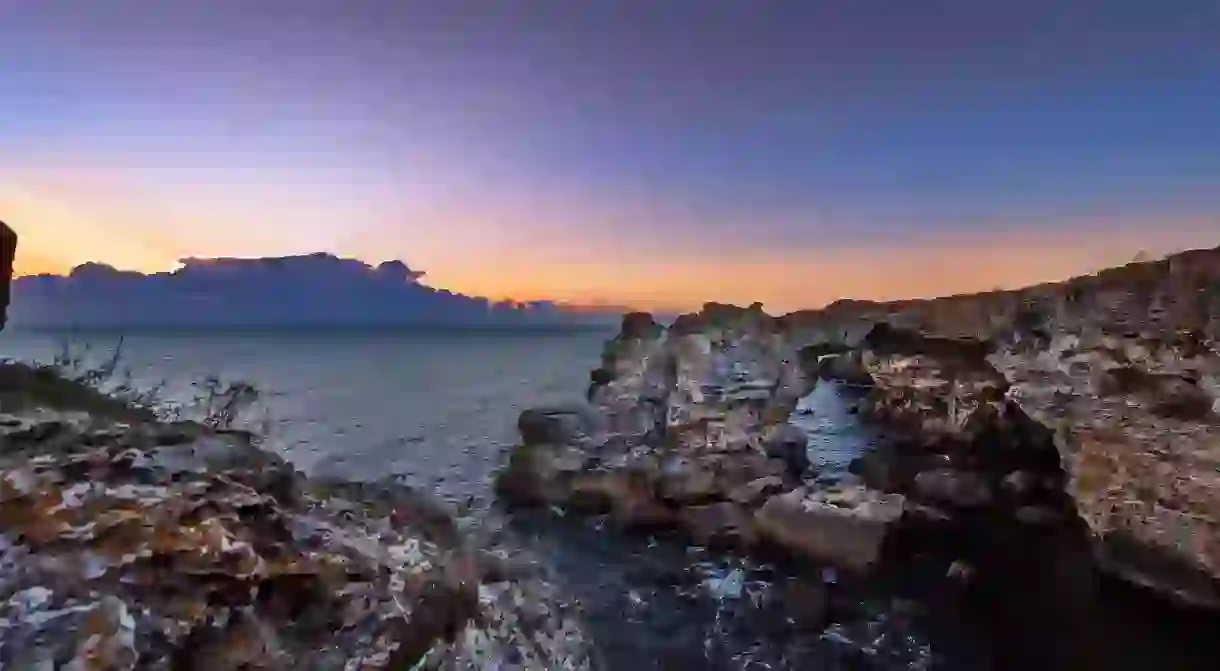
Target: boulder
(844, 528)
(624, 495)
(539, 474)
(558, 425)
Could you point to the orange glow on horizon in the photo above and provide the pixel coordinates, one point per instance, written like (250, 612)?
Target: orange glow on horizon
(787, 281)
(783, 281)
(608, 271)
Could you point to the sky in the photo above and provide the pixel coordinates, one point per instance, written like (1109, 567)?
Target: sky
(654, 154)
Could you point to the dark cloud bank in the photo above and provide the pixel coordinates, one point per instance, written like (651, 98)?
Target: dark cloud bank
(317, 290)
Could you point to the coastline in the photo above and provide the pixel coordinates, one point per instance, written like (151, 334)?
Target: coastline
(1044, 443)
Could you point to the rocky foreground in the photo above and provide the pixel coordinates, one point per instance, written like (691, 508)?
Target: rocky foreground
(1087, 408)
(169, 546)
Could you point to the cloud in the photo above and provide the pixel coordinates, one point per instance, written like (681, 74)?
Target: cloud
(314, 290)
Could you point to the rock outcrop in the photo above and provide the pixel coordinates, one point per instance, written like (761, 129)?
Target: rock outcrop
(1119, 371)
(687, 428)
(1091, 403)
(168, 546)
(8, 253)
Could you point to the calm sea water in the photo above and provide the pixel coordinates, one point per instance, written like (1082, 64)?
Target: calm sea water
(437, 407)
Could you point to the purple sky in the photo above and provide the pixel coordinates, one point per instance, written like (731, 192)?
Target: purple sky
(657, 153)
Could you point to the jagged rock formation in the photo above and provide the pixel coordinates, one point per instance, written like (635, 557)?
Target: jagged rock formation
(172, 547)
(1122, 370)
(687, 428)
(8, 252)
(1093, 400)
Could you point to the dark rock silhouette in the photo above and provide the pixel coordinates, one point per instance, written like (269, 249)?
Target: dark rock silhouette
(315, 290)
(8, 252)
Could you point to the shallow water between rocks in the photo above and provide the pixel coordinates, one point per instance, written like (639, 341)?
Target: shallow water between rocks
(439, 410)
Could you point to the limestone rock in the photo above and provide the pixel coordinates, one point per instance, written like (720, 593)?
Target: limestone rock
(137, 546)
(1121, 368)
(539, 474)
(844, 528)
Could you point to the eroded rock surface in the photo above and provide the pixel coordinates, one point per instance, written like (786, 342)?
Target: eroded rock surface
(687, 428)
(168, 546)
(1120, 369)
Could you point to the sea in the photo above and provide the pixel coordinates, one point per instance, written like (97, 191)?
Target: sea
(438, 409)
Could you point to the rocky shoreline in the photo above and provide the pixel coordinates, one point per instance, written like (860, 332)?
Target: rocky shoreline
(1045, 450)
(153, 545)
(1071, 424)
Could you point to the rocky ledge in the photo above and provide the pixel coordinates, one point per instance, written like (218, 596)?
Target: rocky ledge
(1091, 404)
(687, 429)
(149, 545)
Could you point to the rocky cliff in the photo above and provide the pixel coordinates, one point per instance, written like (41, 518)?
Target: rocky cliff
(171, 546)
(1091, 404)
(687, 429)
(8, 252)
(1121, 368)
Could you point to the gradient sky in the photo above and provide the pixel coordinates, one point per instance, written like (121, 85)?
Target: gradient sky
(655, 153)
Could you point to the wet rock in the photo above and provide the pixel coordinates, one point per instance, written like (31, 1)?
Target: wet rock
(539, 474)
(559, 425)
(963, 489)
(844, 527)
(790, 444)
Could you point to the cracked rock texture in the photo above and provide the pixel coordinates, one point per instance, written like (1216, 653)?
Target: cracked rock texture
(687, 428)
(1121, 368)
(170, 546)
